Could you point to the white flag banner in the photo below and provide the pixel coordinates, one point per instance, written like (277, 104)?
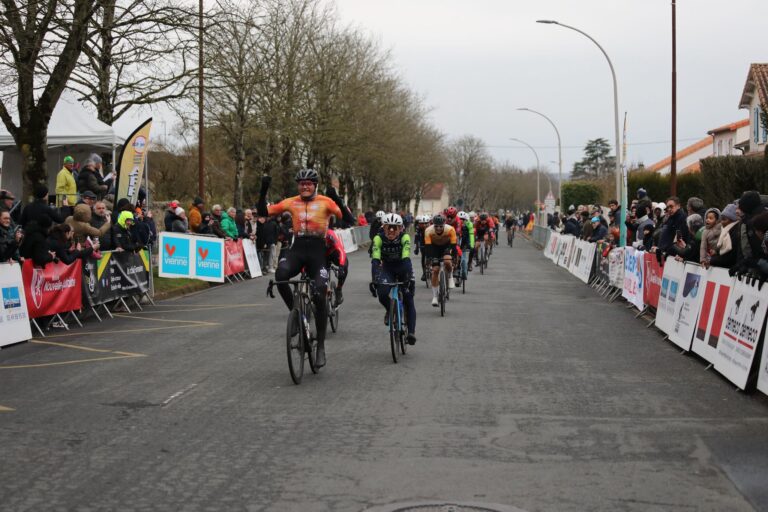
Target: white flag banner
(714, 301)
(687, 308)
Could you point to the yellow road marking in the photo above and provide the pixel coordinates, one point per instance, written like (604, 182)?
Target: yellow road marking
(62, 363)
(195, 322)
(80, 347)
(192, 309)
(6, 409)
(123, 331)
(210, 305)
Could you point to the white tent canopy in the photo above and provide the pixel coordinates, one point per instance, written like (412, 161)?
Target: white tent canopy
(72, 131)
(71, 125)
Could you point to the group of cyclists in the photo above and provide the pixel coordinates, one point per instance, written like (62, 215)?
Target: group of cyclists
(451, 237)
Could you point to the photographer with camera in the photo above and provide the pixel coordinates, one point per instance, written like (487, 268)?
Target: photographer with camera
(10, 238)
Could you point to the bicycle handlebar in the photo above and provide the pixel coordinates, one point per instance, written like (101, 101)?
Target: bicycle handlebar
(292, 282)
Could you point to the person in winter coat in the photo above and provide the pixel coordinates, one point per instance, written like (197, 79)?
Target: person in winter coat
(710, 236)
(10, 238)
(170, 215)
(196, 215)
(205, 224)
(39, 208)
(217, 216)
(729, 239)
(80, 221)
(61, 243)
(228, 225)
(599, 231)
(122, 235)
(690, 250)
(674, 227)
(750, 244)
(143, 230)
(99, 219)
(240, 223)
(34, 245)
(644, 220)
(180, 224)
(250, 224)
(89, 179)
(66, 186)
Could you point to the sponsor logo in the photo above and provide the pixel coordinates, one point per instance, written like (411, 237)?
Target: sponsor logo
(170, 249)
(140, 144)
(202, 252)
(11, 297)
(36, 287)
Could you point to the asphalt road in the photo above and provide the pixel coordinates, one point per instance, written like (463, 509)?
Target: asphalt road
(533, 392)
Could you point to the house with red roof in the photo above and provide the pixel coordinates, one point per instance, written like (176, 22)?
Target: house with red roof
(688, 159)
(729, 139)
(754, 98)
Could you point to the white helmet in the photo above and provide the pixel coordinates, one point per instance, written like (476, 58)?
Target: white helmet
(464, 215)
(392, 219)
(422, 219)
(380, 214)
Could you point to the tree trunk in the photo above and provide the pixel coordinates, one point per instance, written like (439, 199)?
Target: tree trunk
(239, 155)
(33, 145)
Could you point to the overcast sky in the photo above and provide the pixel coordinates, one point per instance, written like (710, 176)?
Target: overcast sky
(476, 61)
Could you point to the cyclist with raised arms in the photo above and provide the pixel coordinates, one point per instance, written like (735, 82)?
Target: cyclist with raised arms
(392, 263)
(440, 241)
(310, 213)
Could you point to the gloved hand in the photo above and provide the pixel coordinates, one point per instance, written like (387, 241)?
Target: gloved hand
(265, 182)
(331, 192)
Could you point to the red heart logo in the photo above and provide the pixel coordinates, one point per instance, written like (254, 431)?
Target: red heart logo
(170, 249)
(203, 252)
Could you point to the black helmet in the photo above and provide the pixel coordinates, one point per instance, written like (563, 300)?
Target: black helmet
(483, 216)
(438, 220)
(307, 174)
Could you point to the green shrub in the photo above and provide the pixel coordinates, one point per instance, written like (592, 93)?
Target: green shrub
(580, 192)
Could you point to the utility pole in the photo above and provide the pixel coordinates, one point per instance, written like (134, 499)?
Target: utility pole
(201, 127)
(673, 161)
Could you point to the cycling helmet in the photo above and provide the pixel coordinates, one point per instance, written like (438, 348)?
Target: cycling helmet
(307, 175)
(483, 216)
(451, 211)
(464, 216)
(380, 214)
(392, 219)
(438, 220)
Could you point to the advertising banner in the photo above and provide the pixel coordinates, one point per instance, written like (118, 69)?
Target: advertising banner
(564, 254)
(687, 307)
(234, 262)
(115, 275)
(671, 288)
(584, 260)
(347, 240)
(251, 258)
(131, 168)
(634, 261)
(714, 301)
(616, 267)
(744, 322)
(191, 256)
(603, 266)
(55, 288)
(652, 285)
(551, 246)
(14, 319)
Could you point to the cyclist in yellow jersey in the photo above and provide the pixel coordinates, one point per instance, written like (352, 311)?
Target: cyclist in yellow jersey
(440, 243)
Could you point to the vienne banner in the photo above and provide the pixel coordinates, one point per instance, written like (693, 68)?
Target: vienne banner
(14, 318)
(116, 275)
(251, 258)
(55, 288)
(744, 322)
(633, 277)
(670, 292)
(234, 260)
(191, 256)
(714, 301)
(131, 168)
(652, 285)
(687, 307)
(616, 267)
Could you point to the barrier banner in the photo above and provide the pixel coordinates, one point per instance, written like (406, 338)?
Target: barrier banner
(251, 258)
(55, 288)
(603, 265)
(652, 285)
(671, 287)
(234, 262)
(346, 239)
(551, 247)
(564, 254)
(616, 267)
(191, 256)
(687, 307)
(744, 323)
(633, 277)
(14, 318)
(115, 275)
(714, 300)
(583, 262)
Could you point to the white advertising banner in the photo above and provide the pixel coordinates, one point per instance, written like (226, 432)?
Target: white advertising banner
(347, 240)
(634, 266)
(583, 266)
(671, 290)
(564, 254)
(251, 258)
(687, 307)
(616, 267)
(714, 301)
(14, 318)
(551, 247)
(744, 321)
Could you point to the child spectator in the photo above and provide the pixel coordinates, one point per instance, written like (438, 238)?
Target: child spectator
(710, 236)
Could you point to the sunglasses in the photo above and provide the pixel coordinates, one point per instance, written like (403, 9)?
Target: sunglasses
(306, 183)
(393, 227)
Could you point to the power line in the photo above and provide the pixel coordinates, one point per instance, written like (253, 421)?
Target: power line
(582, 147)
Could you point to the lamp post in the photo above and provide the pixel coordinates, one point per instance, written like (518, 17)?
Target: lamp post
(538, 176)
(559, 155)
(621, 191)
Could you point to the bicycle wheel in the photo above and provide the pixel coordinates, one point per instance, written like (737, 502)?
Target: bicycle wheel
(310, 344)
(295, 346)
(394, 335)
(463, 283)
(402, 329)
(333, 314)
(482, 258)
(441, 292)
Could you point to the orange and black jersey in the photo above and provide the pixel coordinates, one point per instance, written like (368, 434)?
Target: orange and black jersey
(310, 218)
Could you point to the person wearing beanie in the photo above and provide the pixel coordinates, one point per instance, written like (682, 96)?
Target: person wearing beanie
(196, 215)
(643, 222)
(729, 239)
(34, 245)
(123, 237)
(66, 186)
(710, 236)
(180, 224)
(40, 208)
(90, 179)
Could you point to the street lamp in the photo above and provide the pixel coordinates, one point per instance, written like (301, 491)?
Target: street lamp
(538, 173)
(559, 155)
(621, 190)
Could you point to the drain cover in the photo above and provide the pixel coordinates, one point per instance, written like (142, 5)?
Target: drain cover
(443, 506)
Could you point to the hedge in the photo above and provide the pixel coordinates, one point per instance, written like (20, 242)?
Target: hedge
(580, 192)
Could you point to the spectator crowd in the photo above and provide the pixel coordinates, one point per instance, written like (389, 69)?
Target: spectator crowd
(731, 236)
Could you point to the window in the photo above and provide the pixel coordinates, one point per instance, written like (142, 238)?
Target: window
(720, 148)
(756, 126)
(730, 146)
